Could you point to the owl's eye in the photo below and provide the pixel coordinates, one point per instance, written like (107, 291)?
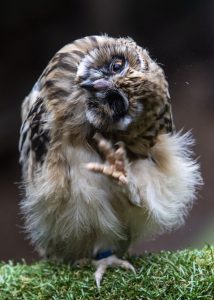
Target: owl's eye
(117, 65)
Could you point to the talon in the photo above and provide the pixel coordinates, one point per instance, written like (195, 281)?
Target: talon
(128, 266)
(99, 274)
(111, 261)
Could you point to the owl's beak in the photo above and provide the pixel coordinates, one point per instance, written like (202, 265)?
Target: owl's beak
(97, 85)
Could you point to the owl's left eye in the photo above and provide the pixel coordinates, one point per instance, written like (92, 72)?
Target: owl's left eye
(117, 65)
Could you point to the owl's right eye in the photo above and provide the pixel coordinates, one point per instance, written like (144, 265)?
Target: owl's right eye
(117, 65)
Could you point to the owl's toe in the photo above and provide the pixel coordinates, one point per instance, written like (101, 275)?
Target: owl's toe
(111, 261)
(116, 162)
(109, 170)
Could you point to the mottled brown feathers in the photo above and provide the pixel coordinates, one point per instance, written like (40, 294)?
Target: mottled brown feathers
(83, 195)
(143, 84)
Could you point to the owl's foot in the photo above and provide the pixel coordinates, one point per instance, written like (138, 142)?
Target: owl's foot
(116, 160)
(111, 261)
(116, 167)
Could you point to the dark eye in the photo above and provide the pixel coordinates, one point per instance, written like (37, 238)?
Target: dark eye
(117, 65)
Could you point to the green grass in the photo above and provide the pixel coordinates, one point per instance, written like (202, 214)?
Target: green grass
(187, 274)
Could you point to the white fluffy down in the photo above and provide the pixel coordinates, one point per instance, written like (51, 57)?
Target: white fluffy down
(169, 182)
(62, 210)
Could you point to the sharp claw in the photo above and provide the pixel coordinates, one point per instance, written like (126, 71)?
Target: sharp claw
(99, 274)
(128, 266)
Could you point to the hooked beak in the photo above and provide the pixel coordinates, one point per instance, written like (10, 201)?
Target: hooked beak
(97, 85)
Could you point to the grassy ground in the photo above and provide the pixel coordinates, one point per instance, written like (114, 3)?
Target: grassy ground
(188, 274)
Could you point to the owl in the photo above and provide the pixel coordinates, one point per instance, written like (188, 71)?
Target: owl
(102, 163)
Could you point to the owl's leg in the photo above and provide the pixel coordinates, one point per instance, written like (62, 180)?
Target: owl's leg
(117, 167)
(111, 261)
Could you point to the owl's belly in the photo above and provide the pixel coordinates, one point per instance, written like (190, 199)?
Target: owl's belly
(96, 220)
(78, 220)
(100, 218)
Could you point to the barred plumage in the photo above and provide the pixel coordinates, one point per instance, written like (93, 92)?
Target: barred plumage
(102, 164)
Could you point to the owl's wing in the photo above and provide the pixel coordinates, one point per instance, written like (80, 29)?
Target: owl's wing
(165, 119)
(35, 134)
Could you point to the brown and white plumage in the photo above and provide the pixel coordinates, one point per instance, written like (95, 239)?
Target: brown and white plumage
(102, 164)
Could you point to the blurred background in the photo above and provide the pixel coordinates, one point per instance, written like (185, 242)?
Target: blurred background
(179, 34)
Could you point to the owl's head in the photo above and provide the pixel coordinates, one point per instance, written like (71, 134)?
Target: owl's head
(121, 83)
